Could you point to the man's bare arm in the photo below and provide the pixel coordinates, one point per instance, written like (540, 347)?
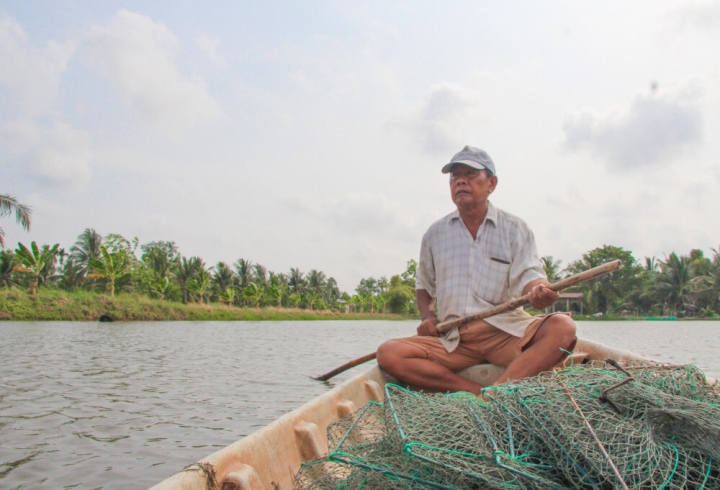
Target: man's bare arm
(426, 306)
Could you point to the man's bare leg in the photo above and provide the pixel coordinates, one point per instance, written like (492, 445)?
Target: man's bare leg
(409, 364)
(544, 350)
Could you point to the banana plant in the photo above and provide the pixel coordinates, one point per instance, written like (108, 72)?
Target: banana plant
(228, 296)
(199, 285)
(112, 266)
(160, 286)
(276, 292)
(254, 294)
(34, 261)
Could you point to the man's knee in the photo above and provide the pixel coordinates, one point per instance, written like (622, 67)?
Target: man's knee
(385, 353)
(391, 354)
(561, 328)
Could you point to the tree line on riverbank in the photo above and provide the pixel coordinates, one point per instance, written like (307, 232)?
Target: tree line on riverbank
(678, 285)
(114, 264)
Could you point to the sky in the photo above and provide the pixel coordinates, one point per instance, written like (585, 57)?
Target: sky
(311, 134)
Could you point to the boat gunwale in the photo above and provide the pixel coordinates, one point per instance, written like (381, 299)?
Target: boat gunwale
(245, 461)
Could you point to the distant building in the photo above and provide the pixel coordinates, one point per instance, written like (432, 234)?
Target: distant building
(573, 303)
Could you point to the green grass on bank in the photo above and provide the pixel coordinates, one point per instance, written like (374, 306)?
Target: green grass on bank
(54, 305)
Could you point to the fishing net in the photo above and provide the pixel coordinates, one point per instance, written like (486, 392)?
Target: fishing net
(595, 426)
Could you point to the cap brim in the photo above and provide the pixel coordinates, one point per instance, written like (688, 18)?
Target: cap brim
(448, 168)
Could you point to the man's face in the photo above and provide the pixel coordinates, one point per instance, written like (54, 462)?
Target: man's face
(469, 186)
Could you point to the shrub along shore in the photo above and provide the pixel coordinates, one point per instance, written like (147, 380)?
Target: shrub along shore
(56, 305)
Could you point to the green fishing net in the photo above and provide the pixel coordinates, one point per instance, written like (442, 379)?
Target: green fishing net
(594, 426)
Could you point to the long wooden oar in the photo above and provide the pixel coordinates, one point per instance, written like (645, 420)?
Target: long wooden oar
(495, 310)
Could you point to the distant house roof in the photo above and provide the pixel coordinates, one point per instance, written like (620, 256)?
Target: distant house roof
(571, 295)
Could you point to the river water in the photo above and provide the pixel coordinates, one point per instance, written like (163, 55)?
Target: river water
(125, 405)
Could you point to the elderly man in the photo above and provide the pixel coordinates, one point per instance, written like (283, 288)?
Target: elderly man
(472, 259)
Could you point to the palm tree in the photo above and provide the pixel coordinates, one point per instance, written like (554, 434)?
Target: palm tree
(223, 278)
(86, 247)
(317, 283)
(243, 268)
(184, 274)
(112, 266)
(7, 262)
(34, 261)
(551, 268)
(316, 280)
(260, 275)
(714, 281)
(277, 279)
(332, 292)
(296, 281)
(673, 283)
(189, 269)
(707, 285)
(8, 204)
(651, 264)
(73, 275)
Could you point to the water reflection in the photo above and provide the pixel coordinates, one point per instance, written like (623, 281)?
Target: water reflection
(124, 405)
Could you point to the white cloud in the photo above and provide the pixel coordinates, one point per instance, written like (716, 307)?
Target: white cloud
(59, 156)
(31, 74)
(704, 14)
(363, 234)
(350, 109)
(137, 55)
(437, 124)
(209, 45)
(653, 131)
(303, 81)
(358, 214)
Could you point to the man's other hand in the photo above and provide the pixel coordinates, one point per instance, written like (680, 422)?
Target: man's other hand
(427, 327)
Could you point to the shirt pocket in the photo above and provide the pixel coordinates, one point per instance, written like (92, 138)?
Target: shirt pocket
(493, 279)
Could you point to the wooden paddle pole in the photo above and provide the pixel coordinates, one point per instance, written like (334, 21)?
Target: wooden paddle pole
(495, 310)
(346, 366)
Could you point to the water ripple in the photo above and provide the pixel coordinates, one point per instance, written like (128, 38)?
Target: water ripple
(89, 405)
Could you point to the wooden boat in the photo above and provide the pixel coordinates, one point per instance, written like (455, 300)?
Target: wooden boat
(269, 458)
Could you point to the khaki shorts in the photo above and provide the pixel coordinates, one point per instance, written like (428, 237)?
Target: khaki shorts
(480, 342)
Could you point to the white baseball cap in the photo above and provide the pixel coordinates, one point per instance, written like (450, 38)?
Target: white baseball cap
(472, 157)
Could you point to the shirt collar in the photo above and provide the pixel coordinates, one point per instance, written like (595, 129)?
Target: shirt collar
(490, 216)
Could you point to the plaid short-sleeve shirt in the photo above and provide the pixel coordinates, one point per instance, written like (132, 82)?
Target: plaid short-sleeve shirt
(467, 276)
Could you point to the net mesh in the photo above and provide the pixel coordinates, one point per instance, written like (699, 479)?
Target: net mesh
(595, 426)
